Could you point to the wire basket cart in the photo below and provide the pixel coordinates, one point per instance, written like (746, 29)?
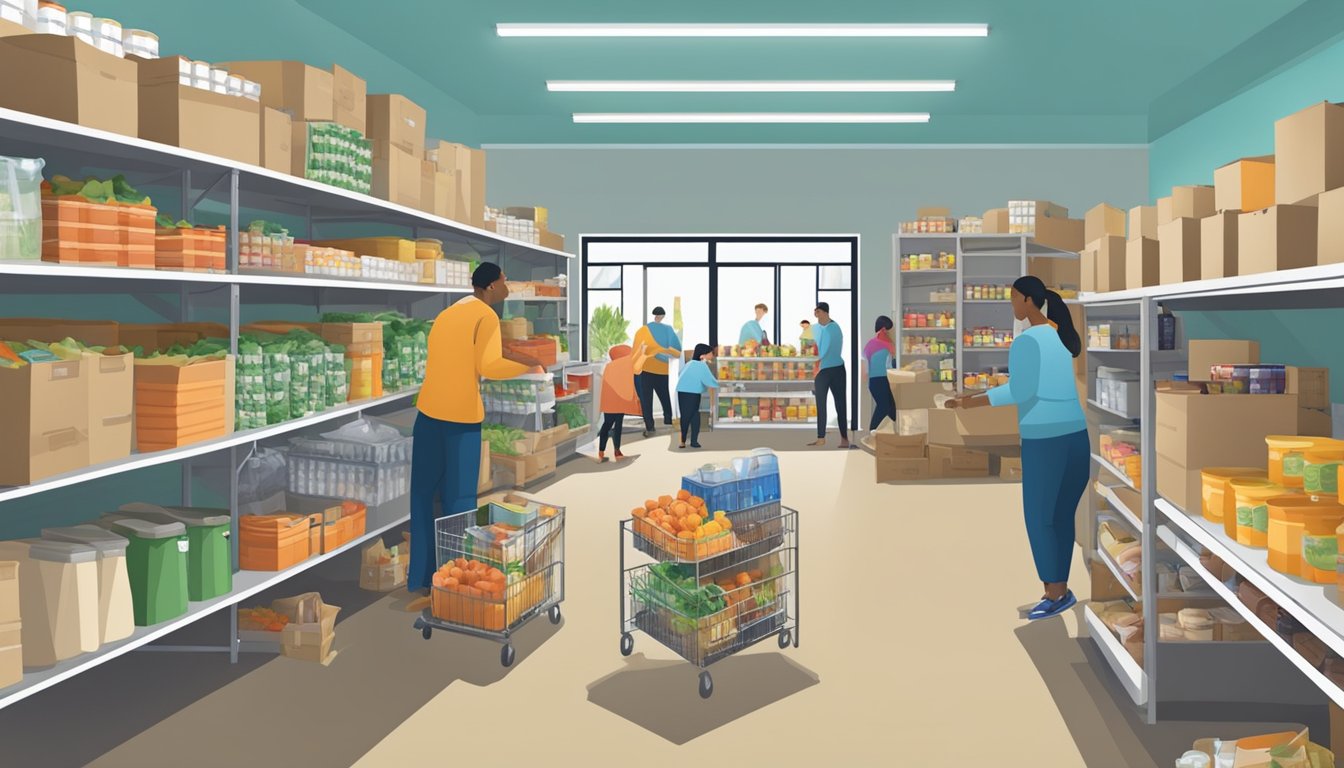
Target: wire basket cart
(707, 599)
(496, 575)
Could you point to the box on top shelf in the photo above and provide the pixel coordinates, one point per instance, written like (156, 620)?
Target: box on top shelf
(396, 175)
(1330, 227)
(67, 79)
(1308, 153)
(1244, 185)
(193, 118)
(1103, 221)
(1311, 385)
(1110, 264)
(1143, 222)
(1218, 237)
(1178, 247)
(1192, 202)
(349, 99)
(1062, 272)
(332, 154)
(47, 420)
(468, 168)
(1024, 215)
(438, 193)
(396, 120)
(303, 91)
(1166, 210)
(1060, 233)
(1142, 263)
(995, 221)
(1281, 237)
(276, 142)
(1087, 261)
(1207, 353)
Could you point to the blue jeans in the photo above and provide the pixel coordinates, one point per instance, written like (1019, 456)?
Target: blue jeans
(1054, 476)
(445, 465)
(884, 403)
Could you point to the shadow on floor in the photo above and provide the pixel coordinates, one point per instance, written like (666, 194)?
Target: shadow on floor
(742, 685)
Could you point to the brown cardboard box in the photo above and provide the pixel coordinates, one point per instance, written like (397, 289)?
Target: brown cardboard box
(1206, 353)
(111, 385)
(549, 239)
(1218, 245)
(375, 575)
(196, 119)
(901, 470)
(1060, 234)
(1143, 222)
(897, 376)
(1311, 385)
(1282, 237)
(305, 93)
(1197, 431)
(396, 120)
(1103, 221)
(1192, 202)
(310, 640)
(1180, 485)
(1308, 153)
(94, 333)
(1178, 251)
(10, 29)
(437, 194)
(975, 427)
(1087, 264)
(1057, 271)
(955, 462)
(1244, 185)
(1315, 423)
(915, 396)
(277, 140)
(468, 167)
(349, 98)
(1330, 227)
(9, 591)
(1110, 263)
(64, 78)
(1142, 263)
(931, 212)
(889, 444)
(1166, 210)
(996, 221)
(1010, 469)
(396, 175)
(46, 420)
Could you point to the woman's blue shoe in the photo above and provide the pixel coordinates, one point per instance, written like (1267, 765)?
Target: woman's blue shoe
(1049, 608)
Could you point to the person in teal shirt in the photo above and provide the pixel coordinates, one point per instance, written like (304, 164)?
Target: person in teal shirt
(1055, 446)
(878, 353)
(695, 379)
(752, 330)
(830, 374)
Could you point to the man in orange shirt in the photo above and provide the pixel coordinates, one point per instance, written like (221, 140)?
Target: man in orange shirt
(464, 347)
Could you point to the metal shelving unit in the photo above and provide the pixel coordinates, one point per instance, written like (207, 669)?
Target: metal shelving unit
(758, 389)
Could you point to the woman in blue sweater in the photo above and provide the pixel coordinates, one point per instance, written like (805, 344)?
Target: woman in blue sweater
(1055, 446)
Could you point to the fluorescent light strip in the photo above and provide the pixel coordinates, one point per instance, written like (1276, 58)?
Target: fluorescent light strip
(752, 117)
(742, 30)
(751, 86)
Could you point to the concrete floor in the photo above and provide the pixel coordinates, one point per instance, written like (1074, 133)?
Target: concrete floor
(912, 653)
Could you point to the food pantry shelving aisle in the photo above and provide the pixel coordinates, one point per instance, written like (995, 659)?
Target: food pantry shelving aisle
(204, 181)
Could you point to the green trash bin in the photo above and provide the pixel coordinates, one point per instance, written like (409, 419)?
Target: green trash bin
(209, 560)
(156, 558)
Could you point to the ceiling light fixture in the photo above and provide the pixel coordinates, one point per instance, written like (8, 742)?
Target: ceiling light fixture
(742, 30)
(751, 86)
(751, 117)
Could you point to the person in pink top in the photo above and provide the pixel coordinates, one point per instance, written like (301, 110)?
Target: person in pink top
(619, 399)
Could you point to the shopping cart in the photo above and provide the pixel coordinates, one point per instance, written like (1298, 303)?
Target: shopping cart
(709, 600)
(504, 583)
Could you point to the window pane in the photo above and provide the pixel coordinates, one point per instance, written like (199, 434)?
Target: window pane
(798, 297)
(633, 295)
(607, 324)
(784, 253)
(835, 278)
(740, 290)
(628, 252)
(604, 277)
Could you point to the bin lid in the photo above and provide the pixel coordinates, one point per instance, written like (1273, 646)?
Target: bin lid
(142, 529)
(192, 517)
(106, 543)
(59, 551)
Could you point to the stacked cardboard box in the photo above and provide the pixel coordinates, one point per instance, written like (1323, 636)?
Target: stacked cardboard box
(193, 118)
(311, 631)
(396, 127)
(1102, 261)
(11, 626)
(540, 220)
(466, 167)
(180, 405)
(951, 443)
(67, 79)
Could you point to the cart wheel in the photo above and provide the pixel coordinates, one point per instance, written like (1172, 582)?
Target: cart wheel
(555, 614)
(506, 655)
(706, 685)
(427, 632)
(784, 639)
(627, 644)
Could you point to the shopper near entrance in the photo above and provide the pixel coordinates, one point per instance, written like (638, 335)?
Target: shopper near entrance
(830, 374)
(752, 330)
(696, 379)
(464, 347)
(805, 340)
(878, 354)
(619, 399)
(659, 337)
(1055, 446)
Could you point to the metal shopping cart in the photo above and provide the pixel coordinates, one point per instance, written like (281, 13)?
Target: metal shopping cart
(498, 570)
(709, 598)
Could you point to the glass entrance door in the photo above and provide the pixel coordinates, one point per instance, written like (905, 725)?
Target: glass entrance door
(682, 292)
(740, 290)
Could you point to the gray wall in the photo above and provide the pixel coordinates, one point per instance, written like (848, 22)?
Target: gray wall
(804, 190)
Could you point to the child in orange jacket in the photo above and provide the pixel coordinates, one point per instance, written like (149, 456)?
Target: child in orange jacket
(619, 399)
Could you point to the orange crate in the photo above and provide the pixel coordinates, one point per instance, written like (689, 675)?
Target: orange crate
(74, 209)
(150, 440)
(136, 257)
(273, 542)
(543, 352)
(460, 606)
(62, 252)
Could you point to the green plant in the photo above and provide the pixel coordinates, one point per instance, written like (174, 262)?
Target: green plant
(606, 328)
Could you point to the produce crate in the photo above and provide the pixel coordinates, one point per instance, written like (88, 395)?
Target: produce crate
(191, 250)
(276, 542)
(756, 531)
(180, 405)
(543, 352)
(472, 608)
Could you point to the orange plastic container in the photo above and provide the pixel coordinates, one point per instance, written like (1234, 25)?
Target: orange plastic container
(1287, 456)
(1320, 471)
(541, 352)
(1253, 509)
(464, 605)
(1320, 546)
(1288, 517)
(1215, 483)
(191, 250)
(273, 542)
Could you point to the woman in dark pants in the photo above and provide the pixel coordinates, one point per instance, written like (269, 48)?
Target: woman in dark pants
(696, 379)
(879, 352)
(1055, 446)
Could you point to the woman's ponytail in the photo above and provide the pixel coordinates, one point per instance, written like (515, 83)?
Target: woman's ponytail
(1057, 312)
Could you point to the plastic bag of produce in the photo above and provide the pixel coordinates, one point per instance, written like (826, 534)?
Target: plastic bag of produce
(313, 354)
(250, 384)
(275, 358)
(405, 362)
(262, 483)
(337, 383)
(391, 373)
(21, 208)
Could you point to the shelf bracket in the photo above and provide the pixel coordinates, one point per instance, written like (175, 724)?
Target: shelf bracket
(196, 202)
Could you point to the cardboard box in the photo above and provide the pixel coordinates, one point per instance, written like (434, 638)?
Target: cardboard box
(1087, 264)
(1180, 485)
(46, 421)
(381, 570)
(1060, 234)
(9, 591)
(396, 175)
(1191, 202)
(349, 98)
(1206, 353)
(1010, 469)
(917, 396)
(305, 93)
(1315, 423)
(468, 168)
(277, 140)
(1143, 222)
(897, 376)
(1218, 245)
(396, 120)
(311, 640)
(996, 221)
(1057, 271)
(954, 462)
(549, 239)
(1311, 385)
(11, 29)
(1197, 431)
(1308, 153)
(1166, 210)
(196, 119)
(111, 386)
(181, 405)
(901, 470)
(888, 443)
(1178, 251)
(64, 78)
(1244, 185)
(1143, 262)
(1103, 221)
(437, 193)
(1282, 237)
(974, 427)
(94, 333)
(1110, 275)
(1330, 227)
(928, 212)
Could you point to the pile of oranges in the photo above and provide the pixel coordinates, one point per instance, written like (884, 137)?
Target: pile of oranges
(261, 619)
(683, 527)
(472, 578)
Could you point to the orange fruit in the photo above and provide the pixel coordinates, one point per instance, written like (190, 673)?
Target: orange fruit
(450, 582)
(665, 501)
(685, 535)
(639, 512)
(650, 505)
(456, 572)
(697, 502)
(683, 495)
(438, 581)
(743, 579)
(667, 527)
(460, 562)
(694, 521)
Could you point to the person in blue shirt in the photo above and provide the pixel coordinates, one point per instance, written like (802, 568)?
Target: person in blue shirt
(658, 337)
(1055, 446)
(695, 379)
(830, 374)
(878, 354)
(752, 330)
